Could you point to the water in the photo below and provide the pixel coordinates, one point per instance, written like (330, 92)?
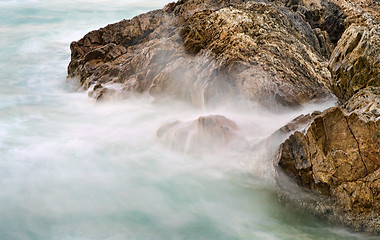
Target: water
(73, 169)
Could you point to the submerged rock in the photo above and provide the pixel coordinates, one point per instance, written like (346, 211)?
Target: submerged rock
(338, 156)
(208, 133)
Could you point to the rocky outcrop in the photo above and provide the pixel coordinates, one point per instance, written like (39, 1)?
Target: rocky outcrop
(353, 40)
(355, 62)
(276, 52)
(326, 18)
(353, 28)
(365, 103)
(205, 51)
(249, 39)
(208, 133)
(338, 156)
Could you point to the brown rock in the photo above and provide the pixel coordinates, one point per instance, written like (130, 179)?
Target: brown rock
(268, 52)
(207, 133)
(366, 103)
(205, 51)
(327, 18)
(338, 156)
(355, 62)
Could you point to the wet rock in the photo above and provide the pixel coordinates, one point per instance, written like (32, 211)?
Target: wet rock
(335, 155)
(208, 133)
(298, 123)
(355, 62)
(327, 18)
(268, 52)
(348, 33)
(338, 156)
(277, 52)
(279, 136)
(365, 103)
(208, 51)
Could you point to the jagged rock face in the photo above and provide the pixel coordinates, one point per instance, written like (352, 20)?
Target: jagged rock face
(355, 62)
(130, 52)
(325, 17)
(267, 51)
(360, 12)
(365, 103)
(338, 156)
(208, 133)
(287, 52)
(352, 27)
(203, 51)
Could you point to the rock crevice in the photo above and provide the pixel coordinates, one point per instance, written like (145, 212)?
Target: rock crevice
(357, 142)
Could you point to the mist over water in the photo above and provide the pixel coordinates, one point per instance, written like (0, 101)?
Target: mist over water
(71, 168)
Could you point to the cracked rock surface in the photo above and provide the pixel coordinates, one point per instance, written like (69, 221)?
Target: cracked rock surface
(355, 62)
(205, 51)
(338, 156)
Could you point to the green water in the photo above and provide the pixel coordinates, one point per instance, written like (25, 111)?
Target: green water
(73, 169)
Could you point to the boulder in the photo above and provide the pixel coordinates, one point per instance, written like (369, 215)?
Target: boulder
(208, 133)
(338, 156)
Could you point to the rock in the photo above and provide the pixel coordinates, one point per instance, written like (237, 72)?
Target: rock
(208, 51)
(296, 124)
(338, 156)
(119, 52)
(207, 133)
(276, 52)
(279, 136)
(349, 34)
(365, 103)
(355, 62)
(335, 156)
(269, 53)
(327, 18)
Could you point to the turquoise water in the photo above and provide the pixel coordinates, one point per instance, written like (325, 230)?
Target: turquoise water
(73, 169)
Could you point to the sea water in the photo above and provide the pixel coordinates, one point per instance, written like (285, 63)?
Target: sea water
(71, 168)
